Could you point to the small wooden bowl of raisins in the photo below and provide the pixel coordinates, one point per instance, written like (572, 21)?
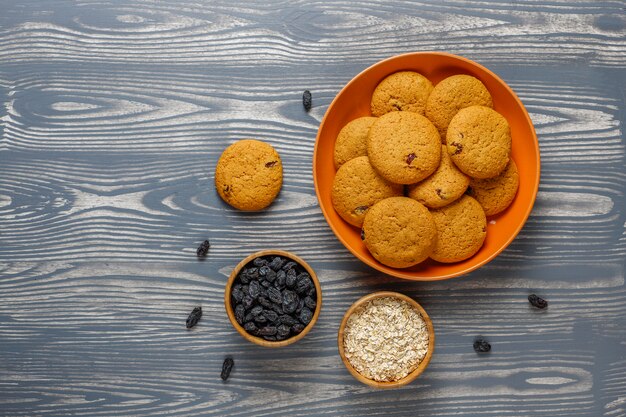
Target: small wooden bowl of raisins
(273, 298)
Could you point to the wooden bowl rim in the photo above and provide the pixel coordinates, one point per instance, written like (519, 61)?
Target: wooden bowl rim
(231, 314)
(417, 371)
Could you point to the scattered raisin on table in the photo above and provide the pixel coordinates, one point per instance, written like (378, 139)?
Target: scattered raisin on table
(194, 317)
(227, 366)
(537, 301)
(307, 100)
(481, 345)
(203, 249)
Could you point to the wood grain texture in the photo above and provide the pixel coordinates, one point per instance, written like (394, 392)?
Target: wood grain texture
(112, 117)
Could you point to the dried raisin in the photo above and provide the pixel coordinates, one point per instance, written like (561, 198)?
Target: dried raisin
(303, 283)
(264, 302)
(263, 270)
(290, 280)
(310, 302)
(537, 301)
(410, 158)
(289, 265)
(247, 302)
(237, 294)
(254, 289)
(307, 100)
(251, 328)
(297, 328)
(290, 301)
(274, 295)
(271, 315)
(281, 276)
(240, 312)
(248, 318)
(277, 263)
(267, 331)
(286, 319)
(194, 317)
(227, 367)
(481, 345)
(203, 249)
(305, 316)
(283, 331)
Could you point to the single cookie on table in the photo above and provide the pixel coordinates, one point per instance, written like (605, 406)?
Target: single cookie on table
(401, 91)
(441, 188)
(357, 187)
(352, 140)
(497, 193)
(404, 147)
(461, 230)
(479, 141)
(399, 232)
(453, 94)
(249, 175)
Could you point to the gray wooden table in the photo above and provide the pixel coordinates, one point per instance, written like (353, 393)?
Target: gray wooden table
(112, 117)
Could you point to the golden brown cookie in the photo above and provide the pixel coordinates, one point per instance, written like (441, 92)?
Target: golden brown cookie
(461, 230)
(453, 94)
(352, 140)
(441, 188)
(404, 147)
(497, 193)
(249, 174)
(479, 141)
(399, 232)
(357, 187)
(401, 91)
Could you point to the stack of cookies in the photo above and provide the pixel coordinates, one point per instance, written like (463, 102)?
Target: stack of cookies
(421, 175)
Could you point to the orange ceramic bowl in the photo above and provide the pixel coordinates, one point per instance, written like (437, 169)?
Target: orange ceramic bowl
(354, 101)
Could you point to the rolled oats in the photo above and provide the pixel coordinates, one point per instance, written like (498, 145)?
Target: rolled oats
(385, 339)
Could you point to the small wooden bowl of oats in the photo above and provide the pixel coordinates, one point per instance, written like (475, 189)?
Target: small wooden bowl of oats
(386, 339)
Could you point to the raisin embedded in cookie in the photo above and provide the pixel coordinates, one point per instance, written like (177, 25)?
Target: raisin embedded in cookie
(479, 141)
(399, 232)
(357, 187)
(404, 147)
(249, 175)
(401, 91)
